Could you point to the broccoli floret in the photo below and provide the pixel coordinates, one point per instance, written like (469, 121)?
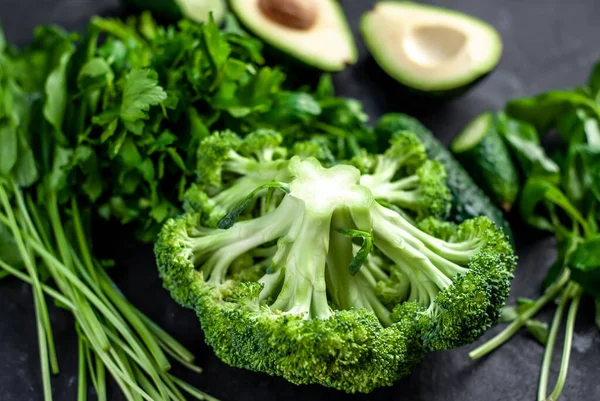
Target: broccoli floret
(229, 168)
(459, 275)
(404, 177)
(294, 292)
(317, 147)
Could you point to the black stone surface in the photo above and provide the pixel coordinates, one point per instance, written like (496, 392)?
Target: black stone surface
(548, 44)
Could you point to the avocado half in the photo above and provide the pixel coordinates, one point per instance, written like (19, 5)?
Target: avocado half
(325, 42)
(429, 49)
(195, 10)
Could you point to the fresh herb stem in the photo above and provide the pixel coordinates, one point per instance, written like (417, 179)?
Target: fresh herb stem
(107, 288)
(547, 360)
(44, 329)
(104, 318)
(82, 376)
(569, 329)
(502, 337)
(193, 391)
(101, 379)
(168, 342)
(47, 289)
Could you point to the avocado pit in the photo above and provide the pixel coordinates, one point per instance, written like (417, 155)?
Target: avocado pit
(294, 14)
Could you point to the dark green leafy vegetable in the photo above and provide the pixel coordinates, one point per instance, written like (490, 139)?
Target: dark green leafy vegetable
(524, 142)
(560, 196)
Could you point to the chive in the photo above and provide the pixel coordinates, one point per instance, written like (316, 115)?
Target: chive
(44, 330)
(82, 376)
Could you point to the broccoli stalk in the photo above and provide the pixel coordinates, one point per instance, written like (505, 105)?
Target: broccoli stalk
(351, 295)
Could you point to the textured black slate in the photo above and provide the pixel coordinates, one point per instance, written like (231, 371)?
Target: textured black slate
(549, 44)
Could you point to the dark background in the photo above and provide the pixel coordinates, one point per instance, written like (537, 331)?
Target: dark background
(547, 44)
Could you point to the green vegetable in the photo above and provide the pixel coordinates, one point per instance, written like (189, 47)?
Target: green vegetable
(560, 196)
(524, 142)
(331, 280)
(468, 200)
(402, 176)
(482, 151)
(195, 10)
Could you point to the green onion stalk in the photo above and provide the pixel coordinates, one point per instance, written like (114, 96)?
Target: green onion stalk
(113, 336)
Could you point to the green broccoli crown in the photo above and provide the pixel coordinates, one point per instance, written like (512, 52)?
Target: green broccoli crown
(229, 168)
(213, 151)
(330, 286)
(364, 162)
(263, 144)
(464, 296)
(317, 147)
(404, 177)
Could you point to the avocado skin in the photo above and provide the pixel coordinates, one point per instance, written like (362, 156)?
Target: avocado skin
(491, 166)
(468, 200)
(447, 93)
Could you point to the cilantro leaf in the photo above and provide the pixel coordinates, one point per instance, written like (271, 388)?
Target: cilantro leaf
(140, 91)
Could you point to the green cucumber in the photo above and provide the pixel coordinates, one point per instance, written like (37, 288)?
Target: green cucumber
(468, 200)
(196, 10)
(480, 148)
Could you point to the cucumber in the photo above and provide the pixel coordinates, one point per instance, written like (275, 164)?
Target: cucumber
(480, 148)
(196, 10)
(468, 200)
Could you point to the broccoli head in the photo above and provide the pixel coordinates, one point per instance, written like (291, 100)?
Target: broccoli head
(331, 286)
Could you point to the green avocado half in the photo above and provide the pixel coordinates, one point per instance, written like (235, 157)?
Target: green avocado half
(314, 32)
(429, 49)
(195, 10)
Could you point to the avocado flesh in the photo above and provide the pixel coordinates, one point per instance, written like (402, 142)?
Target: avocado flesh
(428, 48)
(199, 10)
(328, 45)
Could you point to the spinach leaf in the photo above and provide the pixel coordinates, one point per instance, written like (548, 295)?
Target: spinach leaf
(524, 143)
(543, 111)
(539, 192)
(585, 264)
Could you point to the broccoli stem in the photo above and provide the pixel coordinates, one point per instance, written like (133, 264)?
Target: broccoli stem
(459, 253)
(502, 337)
(346, 290)
(230, 197)
(304, 288)
(221, 248)
(238, 164)
(386, 189)
(386, 169)
(405, 249)
(572, 292)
